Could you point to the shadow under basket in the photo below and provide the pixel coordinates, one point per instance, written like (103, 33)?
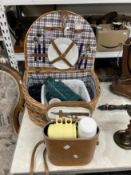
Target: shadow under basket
(70, 152)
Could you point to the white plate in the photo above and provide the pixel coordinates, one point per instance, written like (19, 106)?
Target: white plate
(62, 44)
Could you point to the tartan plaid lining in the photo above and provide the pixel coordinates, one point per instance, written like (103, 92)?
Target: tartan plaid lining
(86, 77)
(53, 19)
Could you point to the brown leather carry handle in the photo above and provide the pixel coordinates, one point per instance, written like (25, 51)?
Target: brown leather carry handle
(111, 47)
(32, 163)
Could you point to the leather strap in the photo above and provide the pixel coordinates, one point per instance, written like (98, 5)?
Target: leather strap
(68, 48)
(39, 55)
(45, 162)
(56, 48)
(64, 18)
(48, 28)
(32, 163)
(52, 28)
(62, 55)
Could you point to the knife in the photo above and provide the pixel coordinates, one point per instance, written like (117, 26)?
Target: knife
(72, 113)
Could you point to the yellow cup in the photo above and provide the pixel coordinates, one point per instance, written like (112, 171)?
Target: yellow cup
(63, 128)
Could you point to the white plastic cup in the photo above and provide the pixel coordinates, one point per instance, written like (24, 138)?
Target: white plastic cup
(54, 100)
(87, 127)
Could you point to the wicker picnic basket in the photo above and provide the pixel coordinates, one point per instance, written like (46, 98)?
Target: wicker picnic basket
(43, 32)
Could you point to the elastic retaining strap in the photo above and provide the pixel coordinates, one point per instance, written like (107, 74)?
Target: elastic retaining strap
(32, 163)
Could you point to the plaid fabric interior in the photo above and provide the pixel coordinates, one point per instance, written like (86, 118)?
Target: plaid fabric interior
(86, 77)
(53, 19)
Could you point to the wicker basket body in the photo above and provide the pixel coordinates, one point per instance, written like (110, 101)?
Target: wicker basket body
(47, 27)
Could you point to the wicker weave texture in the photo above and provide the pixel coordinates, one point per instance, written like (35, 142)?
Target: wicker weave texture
(47, 27)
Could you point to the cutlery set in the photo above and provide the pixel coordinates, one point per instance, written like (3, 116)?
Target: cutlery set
(40, 49)
(72, 114)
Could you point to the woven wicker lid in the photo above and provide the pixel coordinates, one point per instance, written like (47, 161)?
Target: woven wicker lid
(57, 24)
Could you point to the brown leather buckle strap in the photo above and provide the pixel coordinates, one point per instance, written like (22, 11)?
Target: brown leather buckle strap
(51, 28)
(39, 55)
(32, 164)
(56, 48)
(64, 16)
(45, 162)
(62, 55)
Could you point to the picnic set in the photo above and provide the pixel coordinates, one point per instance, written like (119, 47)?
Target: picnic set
(60, 87)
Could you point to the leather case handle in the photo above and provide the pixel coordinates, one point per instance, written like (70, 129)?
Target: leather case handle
(32, 163)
